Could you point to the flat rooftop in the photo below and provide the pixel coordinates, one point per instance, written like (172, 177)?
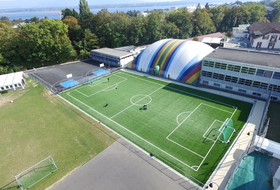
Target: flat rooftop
(112, 52)
(247, 56)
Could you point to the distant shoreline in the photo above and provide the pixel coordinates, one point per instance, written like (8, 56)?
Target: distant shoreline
(136, 5)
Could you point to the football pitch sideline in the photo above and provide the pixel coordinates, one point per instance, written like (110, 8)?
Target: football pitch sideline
(181, 126)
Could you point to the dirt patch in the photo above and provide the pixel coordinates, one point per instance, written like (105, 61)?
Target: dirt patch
(11, 96)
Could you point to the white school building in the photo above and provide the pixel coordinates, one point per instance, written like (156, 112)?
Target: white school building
(12, 81)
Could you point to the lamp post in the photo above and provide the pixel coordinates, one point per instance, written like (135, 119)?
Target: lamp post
(211, 185)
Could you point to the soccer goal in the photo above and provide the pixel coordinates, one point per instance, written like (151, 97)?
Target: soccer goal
(36, 173)
(226, 131)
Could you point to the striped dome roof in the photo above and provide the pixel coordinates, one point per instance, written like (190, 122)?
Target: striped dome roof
(177, 59)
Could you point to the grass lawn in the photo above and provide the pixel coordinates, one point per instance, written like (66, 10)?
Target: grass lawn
(179, 125)
(38, 124)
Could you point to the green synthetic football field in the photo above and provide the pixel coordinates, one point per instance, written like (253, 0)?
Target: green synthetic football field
(179, 125)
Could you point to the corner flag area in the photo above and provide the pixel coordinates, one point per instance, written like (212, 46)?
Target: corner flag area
(180, 126)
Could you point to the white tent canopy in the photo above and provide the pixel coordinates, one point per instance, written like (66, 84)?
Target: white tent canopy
(268, 145)
(12, 81)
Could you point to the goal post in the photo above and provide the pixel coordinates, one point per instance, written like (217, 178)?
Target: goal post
(226, 131)
(36, 173)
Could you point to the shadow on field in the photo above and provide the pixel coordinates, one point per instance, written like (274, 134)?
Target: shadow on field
(244, 107)
(12, 185)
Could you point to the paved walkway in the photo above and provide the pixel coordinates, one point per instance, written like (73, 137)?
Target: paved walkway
(122, 166)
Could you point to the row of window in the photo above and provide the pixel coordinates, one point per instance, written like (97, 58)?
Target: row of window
(273, 37)
(241, 81)
(11, 86)
(242, 69)
(239, 90)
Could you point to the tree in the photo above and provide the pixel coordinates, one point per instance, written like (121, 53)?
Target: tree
(195, 38)
(276, 11)
(202, 23)
(84, 9)
(256, 11)
(9, 57)
(217, 16)
(154, 26)
(68, 12)
(4, 18)
(137, 30)
(207, 6)
(182, 19)
(34, 20)
(198, 7)
(44, 42)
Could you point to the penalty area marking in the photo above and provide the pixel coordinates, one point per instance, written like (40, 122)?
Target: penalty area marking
(177, 118)
(214, 141)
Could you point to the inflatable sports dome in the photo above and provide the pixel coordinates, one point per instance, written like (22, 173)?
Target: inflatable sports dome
(172, 58)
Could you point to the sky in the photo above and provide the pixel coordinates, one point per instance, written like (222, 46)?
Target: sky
(58, 3)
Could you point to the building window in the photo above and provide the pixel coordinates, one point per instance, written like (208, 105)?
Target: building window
(217, 85)
(252, 71)
(209, 74)
(242, 90)
(230, 67)
(244, 70)
(215, 75)
(241, 81)
(211, 64)
(237, 68)
(228, 87)
(2, 88)
(260, 72)
(274, 88)
(205, 63)
(256, 84)
(256, 94)
(271, 45)
(205, 82)
(264, 73)
(221, 77)
(248, 82)
(203, 73)
(218, 65)
(276, 75)
(224, 66)
(265, 37)
(228, 78)
(273, 98)
(233, 79)
(273, 38)
(263, 85)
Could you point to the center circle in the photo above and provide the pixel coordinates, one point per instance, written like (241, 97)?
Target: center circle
(140, 100)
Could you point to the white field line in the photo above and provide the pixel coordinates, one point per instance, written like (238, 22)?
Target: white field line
(136, 102)
(201, 97)
(203, 157)
(209, 129)
(214, 142)
(177, 127)
(130, 131)
(98, 83)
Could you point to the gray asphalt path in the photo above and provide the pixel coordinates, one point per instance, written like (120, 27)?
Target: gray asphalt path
(122, 166)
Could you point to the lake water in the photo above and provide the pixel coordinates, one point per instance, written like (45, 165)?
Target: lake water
(56, 15)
